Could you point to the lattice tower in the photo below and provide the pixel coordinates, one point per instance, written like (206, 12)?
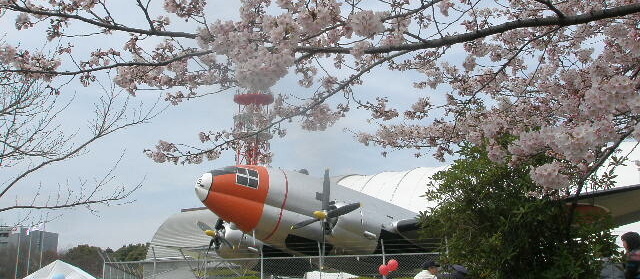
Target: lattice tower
(252, 146)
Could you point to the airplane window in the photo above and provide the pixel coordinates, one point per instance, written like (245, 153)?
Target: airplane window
(247, 177)
(242, 180)
(253, 183)
(242, 171)
(253, 173)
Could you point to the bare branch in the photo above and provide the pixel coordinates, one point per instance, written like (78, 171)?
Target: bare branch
(108, 121)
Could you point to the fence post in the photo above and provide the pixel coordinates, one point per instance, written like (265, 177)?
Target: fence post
(446, 245)
(261, 264)
(384, 258)
(154, 261)
(320, 263)
(195, 275)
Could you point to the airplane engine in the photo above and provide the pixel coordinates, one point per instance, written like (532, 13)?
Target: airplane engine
(245, 252)
(352, 234)
(238, 245)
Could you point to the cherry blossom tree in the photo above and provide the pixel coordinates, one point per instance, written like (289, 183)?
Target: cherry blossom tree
(559, 76)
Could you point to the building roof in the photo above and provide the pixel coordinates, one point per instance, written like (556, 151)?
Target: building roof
(402, 188)
(180, 231)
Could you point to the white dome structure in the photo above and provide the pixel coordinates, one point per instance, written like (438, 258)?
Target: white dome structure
(402, 188)
(180, 231)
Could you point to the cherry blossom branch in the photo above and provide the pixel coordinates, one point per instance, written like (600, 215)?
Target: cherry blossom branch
(342, 86)
(514, 56)
(406, 14)
(112, 66)
(551, 7)
(151, 32)
(493, 30)
(598, 163)
(145, 10)
(302, 111)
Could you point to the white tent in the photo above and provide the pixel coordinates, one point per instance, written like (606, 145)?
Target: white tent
(60, 269)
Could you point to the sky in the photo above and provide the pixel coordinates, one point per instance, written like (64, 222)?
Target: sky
(168, 188)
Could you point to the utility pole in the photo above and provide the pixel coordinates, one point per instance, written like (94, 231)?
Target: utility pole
(28, 252)
(15, 275)
(42, 243)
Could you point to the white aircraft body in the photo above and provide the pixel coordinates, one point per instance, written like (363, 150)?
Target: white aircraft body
(288, 213)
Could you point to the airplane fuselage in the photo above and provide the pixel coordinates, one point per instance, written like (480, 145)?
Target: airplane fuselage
(267, 202)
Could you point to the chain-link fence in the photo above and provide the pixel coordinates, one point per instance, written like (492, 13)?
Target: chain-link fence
(310, 267)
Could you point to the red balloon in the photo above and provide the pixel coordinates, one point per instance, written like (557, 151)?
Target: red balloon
(392, 264)
(384, 270)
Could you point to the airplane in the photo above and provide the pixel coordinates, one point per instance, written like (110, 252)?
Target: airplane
(282, 213)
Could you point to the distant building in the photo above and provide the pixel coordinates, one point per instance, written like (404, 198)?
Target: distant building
(48, 241)
(24, 250)
(5, 232)
(11, 236)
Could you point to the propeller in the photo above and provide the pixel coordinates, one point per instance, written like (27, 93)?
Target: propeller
(326, 212)
(217, 234)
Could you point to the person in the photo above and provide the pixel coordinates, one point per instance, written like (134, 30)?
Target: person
(631, 244)
(610, 269)
(429, 270)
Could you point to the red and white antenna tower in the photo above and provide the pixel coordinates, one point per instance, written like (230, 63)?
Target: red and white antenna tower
(252, 148)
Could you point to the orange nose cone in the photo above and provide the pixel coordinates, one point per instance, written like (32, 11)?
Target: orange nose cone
(239, 197)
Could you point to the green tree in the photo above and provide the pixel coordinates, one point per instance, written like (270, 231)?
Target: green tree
(7, 262)
(131, 252)
(490, 220)
(86, 258)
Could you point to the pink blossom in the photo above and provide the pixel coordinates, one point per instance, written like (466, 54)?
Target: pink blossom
(23, 21)
(444, 7)
(358, 49)
(548, 176)
(496, 153)
(7, 54)
(469, 63)
(366, 23)
(561, 92)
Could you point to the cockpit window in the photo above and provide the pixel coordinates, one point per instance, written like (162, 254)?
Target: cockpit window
(247, 177)
(226, 170)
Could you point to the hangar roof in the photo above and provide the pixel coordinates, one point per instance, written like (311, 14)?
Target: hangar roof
(402, 188)
(180, 231)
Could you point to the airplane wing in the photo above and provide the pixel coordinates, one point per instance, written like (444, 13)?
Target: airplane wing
(405, 236)
(406, 188)
(622, 202)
